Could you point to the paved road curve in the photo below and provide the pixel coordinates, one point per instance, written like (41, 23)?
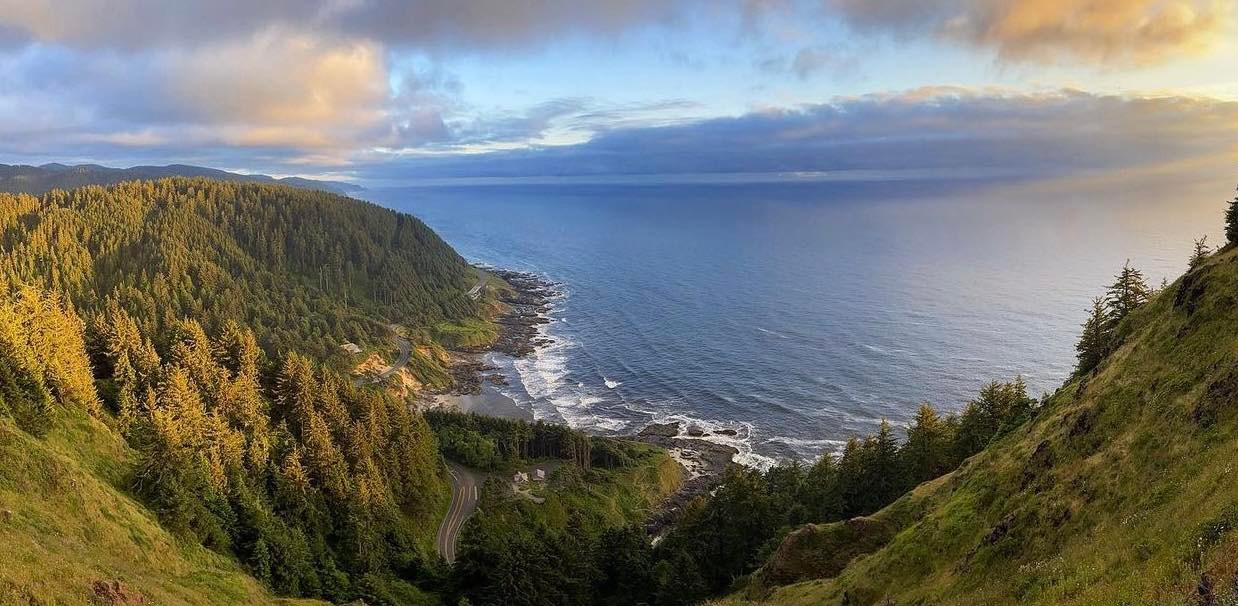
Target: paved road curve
(464, 485)
(401, 361)
(406, 350)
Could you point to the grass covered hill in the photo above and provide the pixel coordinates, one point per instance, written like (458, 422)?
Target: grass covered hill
(1120, 489)
(306, 270)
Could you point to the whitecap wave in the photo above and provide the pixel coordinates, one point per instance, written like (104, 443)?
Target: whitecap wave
(808, 449)
(741, 441)
(611, 383)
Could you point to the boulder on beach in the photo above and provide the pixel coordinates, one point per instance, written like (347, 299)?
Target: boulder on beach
(695, 431)
(665, 430)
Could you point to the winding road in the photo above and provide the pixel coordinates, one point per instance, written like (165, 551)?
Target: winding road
(406, 350)
(401, 361)
(464, 486)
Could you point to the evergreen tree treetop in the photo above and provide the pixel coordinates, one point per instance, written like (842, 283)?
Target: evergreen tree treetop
(1200, 253)
(1097, 334)
(1231, 222)
(1129, 291)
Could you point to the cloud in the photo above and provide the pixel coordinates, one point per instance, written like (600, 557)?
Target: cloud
(336, 83)
(931, 131)
(139, 24)
(1098, 31)
(275, 89)
(312, 80)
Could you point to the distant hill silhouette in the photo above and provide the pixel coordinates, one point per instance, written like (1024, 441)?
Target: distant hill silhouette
(41, 179)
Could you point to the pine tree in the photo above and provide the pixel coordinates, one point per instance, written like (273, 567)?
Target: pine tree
(1231, 222)
(1097, 334)
(1129, 291)
(850, 474)
(926, 454)
(885, 473)
(1200, 254)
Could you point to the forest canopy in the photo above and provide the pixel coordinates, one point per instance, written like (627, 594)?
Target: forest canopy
(306, 270)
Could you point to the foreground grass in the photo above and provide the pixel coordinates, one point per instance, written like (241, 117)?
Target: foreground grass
(65, 523)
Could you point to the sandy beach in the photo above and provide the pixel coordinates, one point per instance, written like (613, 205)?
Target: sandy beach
(489, 402)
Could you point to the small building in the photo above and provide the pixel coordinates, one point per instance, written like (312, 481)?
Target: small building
(351, 348)
(539, 475)
(520, 478)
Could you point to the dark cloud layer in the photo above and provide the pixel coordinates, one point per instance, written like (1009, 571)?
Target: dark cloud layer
(143, 24)
(934, 130)
(1091, 30)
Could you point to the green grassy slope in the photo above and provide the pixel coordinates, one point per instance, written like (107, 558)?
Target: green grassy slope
(1120, 491)
(65, 524)
(604, 497)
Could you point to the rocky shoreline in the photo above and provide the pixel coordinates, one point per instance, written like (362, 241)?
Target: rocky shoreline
(527, 303)
(702, 460)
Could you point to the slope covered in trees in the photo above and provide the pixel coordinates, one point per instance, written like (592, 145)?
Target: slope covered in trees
(317, 487)
(69, 527)
(581, 542)
(307, 270)
(173, 319)
(152, 377)
(1118, 489)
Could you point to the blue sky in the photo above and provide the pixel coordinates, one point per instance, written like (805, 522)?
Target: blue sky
(387, 92)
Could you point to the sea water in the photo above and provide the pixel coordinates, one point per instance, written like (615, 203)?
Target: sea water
(799, 315)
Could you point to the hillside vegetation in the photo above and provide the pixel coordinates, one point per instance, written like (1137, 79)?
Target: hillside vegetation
(307, 270)
(68, 523)
(315, 486)
(166, 439)
(1118, 490)
(577, 539)
(159, 326)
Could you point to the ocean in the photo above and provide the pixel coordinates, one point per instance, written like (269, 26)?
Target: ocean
(801, 314)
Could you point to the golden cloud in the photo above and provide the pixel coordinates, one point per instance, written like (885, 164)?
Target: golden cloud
(1100, 31)
(282, 80)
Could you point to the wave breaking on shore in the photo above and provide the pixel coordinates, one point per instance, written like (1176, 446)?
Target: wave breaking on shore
(545, 384)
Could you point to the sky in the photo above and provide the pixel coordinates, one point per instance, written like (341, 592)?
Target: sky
(388, 92)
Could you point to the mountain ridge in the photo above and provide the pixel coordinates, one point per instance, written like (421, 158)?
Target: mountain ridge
(30, 179)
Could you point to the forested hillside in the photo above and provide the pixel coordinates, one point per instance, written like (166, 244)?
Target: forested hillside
(70, 529)
(317, 487)
(306, 270)
(171, 433)
(178, 329)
